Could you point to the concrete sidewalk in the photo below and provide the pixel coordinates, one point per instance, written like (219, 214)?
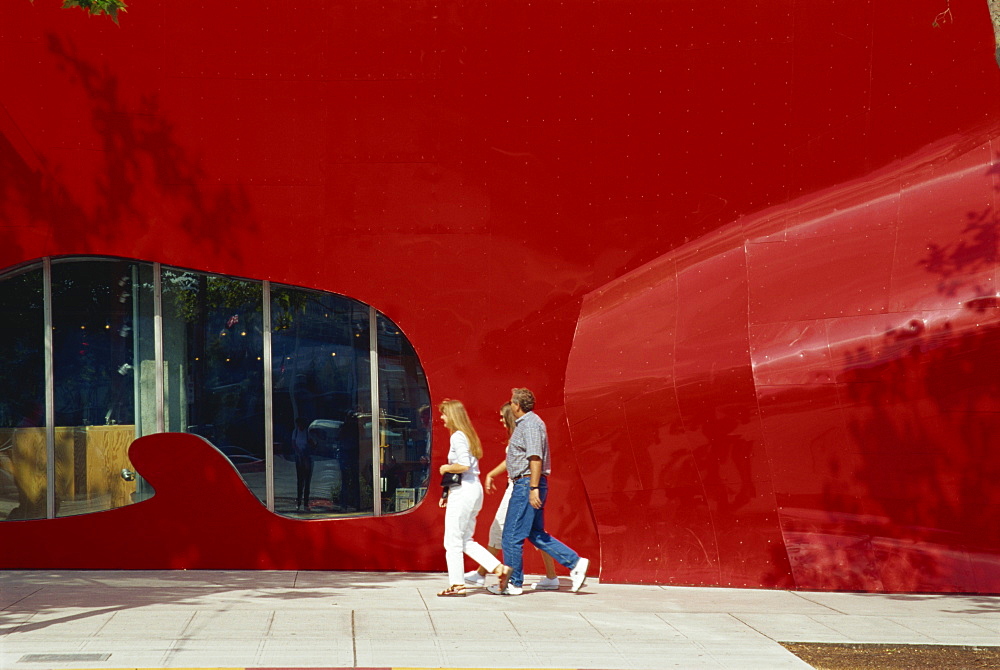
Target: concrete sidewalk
(207, 619)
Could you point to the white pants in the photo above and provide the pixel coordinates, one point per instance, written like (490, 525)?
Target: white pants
(464, 503)
(496, 528)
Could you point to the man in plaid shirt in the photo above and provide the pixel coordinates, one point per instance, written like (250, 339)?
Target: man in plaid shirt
(528, 466)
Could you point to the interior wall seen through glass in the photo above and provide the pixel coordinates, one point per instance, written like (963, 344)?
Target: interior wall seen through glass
(23, 460)
(321, 403)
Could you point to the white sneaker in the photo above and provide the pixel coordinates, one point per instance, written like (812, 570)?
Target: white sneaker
(473, 578)
(579, 574)
(546, 584)
(511, 590)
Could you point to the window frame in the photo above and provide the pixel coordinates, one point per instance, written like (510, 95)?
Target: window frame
(159, 400)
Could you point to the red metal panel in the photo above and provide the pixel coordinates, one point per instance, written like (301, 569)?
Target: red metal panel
(817, 278)
(680, 518)
(791, 353)
(946, 254)
(718, 407)
(873, 421)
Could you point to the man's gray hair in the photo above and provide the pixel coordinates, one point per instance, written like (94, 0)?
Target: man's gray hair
(524, 398)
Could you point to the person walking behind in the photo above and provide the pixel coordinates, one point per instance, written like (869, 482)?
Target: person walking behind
(477, 577)
(464, 501)
(302, 447)
(527, 460)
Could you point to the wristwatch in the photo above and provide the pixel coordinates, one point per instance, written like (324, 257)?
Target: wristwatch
(534, 488)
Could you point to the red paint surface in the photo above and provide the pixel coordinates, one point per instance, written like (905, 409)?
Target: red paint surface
(700, 233)
(813, 407)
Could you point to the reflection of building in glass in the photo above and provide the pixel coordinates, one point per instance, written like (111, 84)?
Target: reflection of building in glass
(138, 349)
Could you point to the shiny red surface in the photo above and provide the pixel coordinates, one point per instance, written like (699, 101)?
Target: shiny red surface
(745, 257)
(842, 439)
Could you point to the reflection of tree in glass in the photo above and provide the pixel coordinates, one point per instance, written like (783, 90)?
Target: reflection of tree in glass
(285, 303)
(193, 292)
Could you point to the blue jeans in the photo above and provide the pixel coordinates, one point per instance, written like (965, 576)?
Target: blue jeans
(524, 522)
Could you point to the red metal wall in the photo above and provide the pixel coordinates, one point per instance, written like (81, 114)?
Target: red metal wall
(482, 172)
(809, 398)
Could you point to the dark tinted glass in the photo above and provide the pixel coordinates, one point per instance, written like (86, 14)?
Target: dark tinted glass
(213, 365)
(22, 397)
(95, 304)
(405, 420)
(322, 404)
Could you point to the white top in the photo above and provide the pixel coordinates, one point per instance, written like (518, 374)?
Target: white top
(458, 452)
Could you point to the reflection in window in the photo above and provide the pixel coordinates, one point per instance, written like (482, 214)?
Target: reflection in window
(214, 351)
(404, 420)
(110, 384)
(321, 401)
(94, 304)
(23, 482)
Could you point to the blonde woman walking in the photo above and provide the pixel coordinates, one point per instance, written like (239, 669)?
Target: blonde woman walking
(463, 502)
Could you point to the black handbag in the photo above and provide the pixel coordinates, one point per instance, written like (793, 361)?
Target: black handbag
(450, 479)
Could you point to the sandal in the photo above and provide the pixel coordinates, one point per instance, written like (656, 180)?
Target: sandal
(453, 591)
(503, 572)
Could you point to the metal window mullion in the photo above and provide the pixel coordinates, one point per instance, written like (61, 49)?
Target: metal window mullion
(50, 392)
(158, 347)
(136, 354)
(376, 412)
(268, 400)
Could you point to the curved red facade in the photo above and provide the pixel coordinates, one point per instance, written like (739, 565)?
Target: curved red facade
(807, 397)
(745, 257)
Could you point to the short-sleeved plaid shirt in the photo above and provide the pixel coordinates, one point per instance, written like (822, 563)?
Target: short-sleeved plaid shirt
(528, 439)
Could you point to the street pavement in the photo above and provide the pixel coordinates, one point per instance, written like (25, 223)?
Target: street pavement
(272, 619)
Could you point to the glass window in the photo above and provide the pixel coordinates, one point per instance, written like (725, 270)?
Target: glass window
(213, 351)
(321, 404)
(23, 481)
(106, 378)
(94, 345)
(404, 420)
